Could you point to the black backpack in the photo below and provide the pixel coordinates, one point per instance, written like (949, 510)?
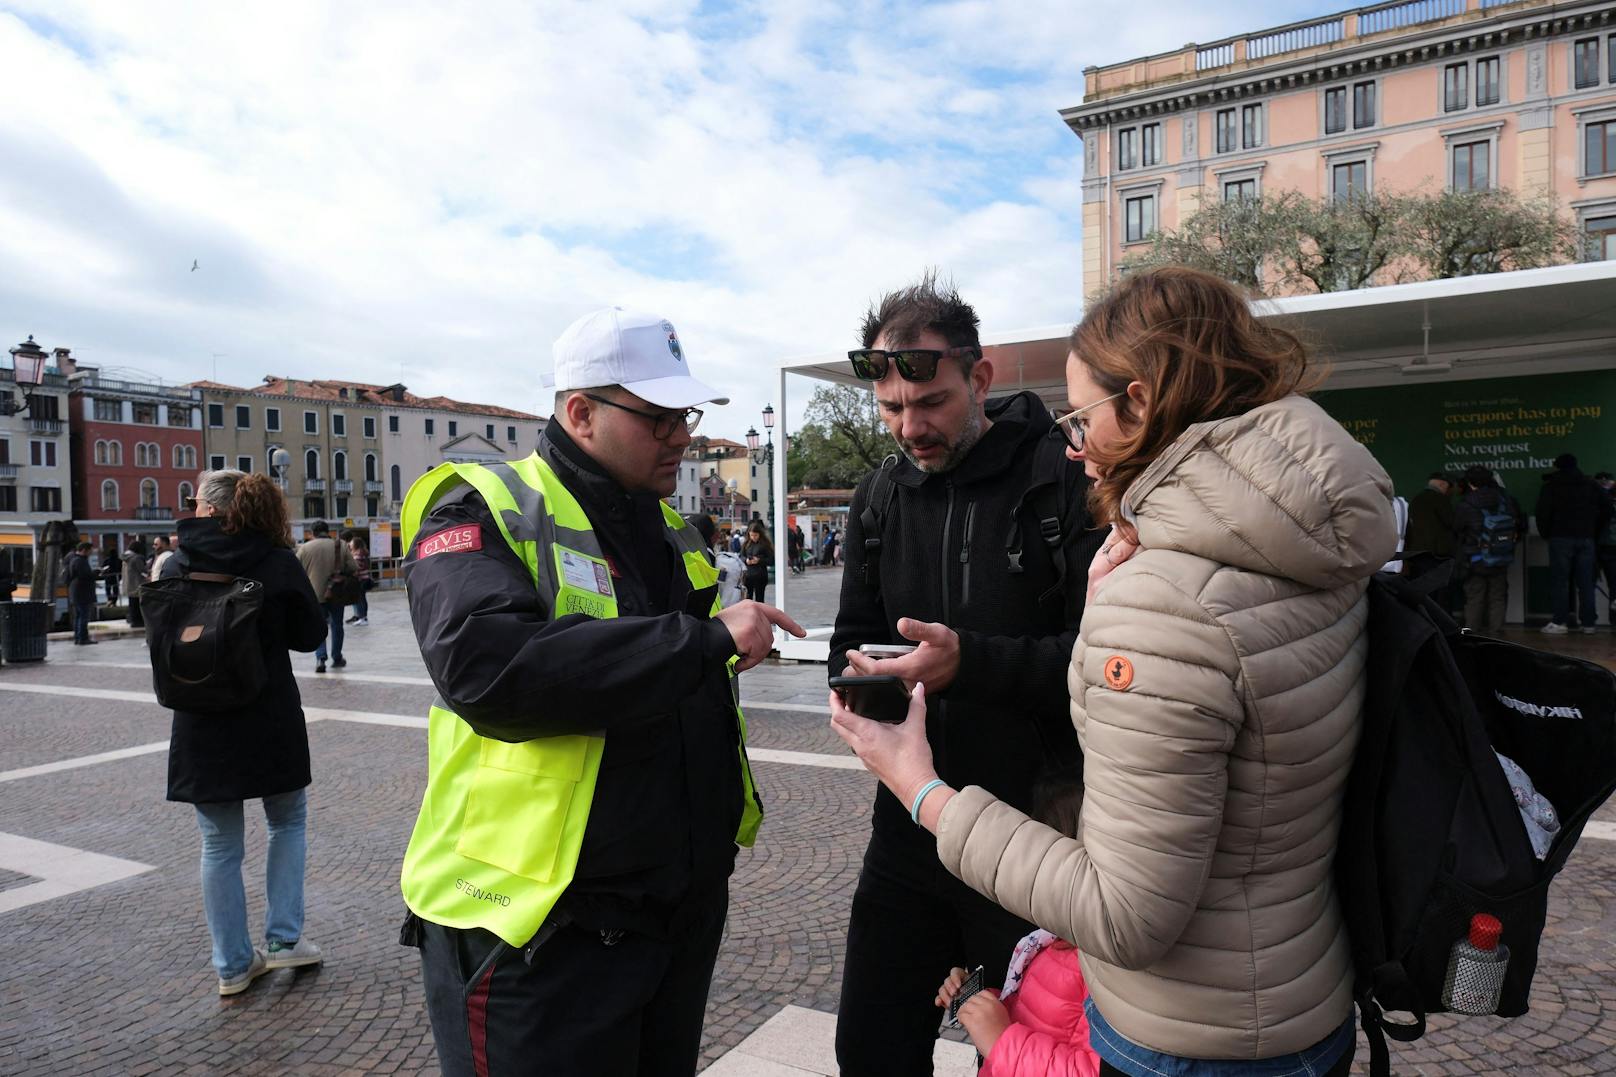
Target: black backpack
(202, 630)
(1431, 833)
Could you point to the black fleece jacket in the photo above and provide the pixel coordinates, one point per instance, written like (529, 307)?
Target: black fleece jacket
(654, 679)
(1005, 719)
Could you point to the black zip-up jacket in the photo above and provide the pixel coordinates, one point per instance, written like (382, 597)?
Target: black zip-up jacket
(1570, 505)
(1006, 717)
(661, 833)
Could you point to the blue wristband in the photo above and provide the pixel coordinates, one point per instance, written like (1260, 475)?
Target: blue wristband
(920, 797)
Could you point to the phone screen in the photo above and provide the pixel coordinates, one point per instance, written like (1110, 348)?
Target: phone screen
(883, 699)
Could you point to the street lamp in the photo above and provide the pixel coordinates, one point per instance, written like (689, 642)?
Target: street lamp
(766, 455)
(28, 371)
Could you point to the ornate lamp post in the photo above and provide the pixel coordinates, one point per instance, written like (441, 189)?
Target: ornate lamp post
(765, 456)
(28, 371)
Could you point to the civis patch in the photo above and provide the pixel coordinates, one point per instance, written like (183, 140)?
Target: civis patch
(451, 540)
(1118, 672)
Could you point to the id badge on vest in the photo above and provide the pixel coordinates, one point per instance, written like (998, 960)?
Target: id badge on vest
(586, 584)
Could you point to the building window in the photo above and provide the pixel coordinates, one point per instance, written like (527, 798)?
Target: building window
(1456, 87)
(145, 413)
(1140, 213)
(44, 407)
(510, 434)
(488, 431)
(216, 463)
(454, 428)
(115, 453)
(1585, 63)
(186, 490)
(44, 499)
(311, 464)
(1487, 87)
(339, 425)
(8, 499)
(339, 465)
(1610, 58)
(1240, 188)
(244, 464)
(1127, 149)
(1363, 104)
(148, 493)
(1251, 127)
(100, 452)
(1599, 238)
(342, 506)
(1599, 148)
(272, 419)
(178, 415)
(1150, 144)
(184, 457)
(1335, 110)
(109, 494)
(1470, 166)
(215, 416)
(1226, 132)
(243, 417)
(370, 467)
(42, 453)
(369, 422)
(392, 424)
(311, 422)
(109, 411)
(1349, 179)
(396, 483)
(428, 427)
(373, 506)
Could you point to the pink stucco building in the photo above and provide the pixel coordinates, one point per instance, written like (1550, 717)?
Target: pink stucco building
(1404, 96)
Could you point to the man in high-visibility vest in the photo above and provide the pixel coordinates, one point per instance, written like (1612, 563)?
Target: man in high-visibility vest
(587, 781)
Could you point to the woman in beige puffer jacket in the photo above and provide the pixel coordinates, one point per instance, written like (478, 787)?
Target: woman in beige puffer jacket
(1216, 688)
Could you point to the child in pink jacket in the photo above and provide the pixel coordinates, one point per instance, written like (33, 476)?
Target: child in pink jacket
(1036, 1026)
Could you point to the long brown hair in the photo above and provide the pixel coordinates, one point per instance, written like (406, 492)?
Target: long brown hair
(247, 503)
(1191, 339)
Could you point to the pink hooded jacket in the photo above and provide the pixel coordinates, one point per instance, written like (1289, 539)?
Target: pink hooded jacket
(1049, 1033)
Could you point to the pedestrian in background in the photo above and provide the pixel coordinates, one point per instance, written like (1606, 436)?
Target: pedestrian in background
(162, 550)
(757, 553)
(134, 574)
(1571, 512)
(322, 558)
(218, 760)
(1490, 527)
(111, 573)
(1605, 545)
(80, 591)
(361, 556)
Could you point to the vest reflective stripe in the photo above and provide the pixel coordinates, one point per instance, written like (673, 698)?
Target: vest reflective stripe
(501, 825)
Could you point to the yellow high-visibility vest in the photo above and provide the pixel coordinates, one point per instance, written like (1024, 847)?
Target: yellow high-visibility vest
(497, 839)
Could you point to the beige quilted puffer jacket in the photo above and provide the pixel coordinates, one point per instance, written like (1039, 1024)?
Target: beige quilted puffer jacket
(1216, 689)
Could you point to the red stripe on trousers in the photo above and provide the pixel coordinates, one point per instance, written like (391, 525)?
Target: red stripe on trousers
(477, 1022)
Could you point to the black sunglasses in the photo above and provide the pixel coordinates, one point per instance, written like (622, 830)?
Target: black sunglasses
(189, 503)
(663, 423)
(914, 364)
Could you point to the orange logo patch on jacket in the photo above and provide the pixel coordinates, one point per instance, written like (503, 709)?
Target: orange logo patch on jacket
(1118, 672)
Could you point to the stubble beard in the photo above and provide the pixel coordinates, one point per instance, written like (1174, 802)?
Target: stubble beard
(969, 435)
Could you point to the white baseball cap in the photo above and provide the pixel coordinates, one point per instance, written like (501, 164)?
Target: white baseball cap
(640, 352)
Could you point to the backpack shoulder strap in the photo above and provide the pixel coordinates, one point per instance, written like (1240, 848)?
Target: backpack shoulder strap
(1046, 494)
(873, 518)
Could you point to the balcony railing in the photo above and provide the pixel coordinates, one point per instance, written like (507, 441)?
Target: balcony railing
(154, 512)
(1313, 34)
(342, 486)
(372, 486)
(1408, 13)
(8, 472)
(314, 486)
(52, 427)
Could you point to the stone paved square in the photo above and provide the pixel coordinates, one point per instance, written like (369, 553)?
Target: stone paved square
(115, 979)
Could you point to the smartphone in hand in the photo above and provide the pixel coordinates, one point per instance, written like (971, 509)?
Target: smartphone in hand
(971, 986)
(886, 650)
(883, 699)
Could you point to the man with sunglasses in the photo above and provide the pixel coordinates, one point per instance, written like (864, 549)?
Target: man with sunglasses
(970, 544)
(588, 781)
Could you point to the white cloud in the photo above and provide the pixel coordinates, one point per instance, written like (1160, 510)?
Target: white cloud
(401, 191)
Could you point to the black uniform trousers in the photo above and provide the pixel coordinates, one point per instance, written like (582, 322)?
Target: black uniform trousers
(911, 922)
(589, 1003)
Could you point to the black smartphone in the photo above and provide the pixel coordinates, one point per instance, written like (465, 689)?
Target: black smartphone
(884, 699)
(971, 986)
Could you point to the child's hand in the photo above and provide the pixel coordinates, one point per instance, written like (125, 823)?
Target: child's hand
(951, 986)
(985, 1020)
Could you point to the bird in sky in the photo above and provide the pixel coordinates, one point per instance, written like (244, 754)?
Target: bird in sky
(193, 265)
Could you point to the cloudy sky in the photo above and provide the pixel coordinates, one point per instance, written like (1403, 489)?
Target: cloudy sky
(431, 192)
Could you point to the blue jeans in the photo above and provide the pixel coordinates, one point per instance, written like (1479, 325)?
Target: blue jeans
(361, 606)
(1571, 562)
(83, 614)
(333, 619)
(224, 899)
(1330, 1055)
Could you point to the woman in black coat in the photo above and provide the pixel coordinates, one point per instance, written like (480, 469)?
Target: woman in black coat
(218, 760)
(757, 553)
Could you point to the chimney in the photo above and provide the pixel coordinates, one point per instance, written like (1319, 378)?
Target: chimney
(342, 392)
(62, 360)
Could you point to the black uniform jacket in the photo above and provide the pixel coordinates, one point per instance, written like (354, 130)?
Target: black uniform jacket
(1005, 719)
(662, 824)
(262, 748)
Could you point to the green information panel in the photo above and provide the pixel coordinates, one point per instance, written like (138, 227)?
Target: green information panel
(1516, 426)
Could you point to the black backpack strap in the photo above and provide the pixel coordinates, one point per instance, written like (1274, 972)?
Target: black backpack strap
(1046, 495)
(873, 518)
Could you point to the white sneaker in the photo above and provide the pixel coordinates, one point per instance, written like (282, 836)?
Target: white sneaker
(1553, 629)
(292, 955)
(362, 622)
(235, 985)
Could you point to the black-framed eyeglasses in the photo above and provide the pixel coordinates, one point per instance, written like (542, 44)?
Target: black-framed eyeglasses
(1074, 427)
(663, 423)
(914, 364)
